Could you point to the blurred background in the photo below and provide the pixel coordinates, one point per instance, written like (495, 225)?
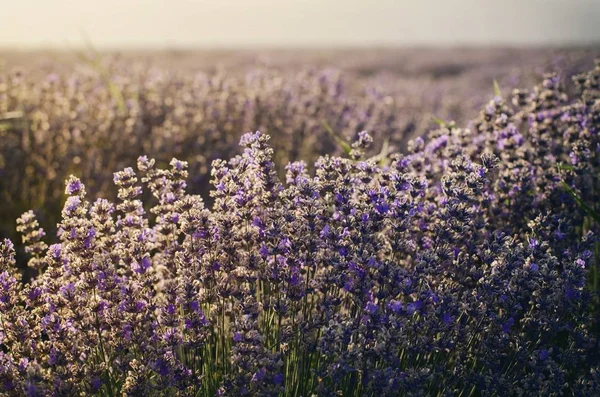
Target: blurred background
(87, 86)
(161, 24)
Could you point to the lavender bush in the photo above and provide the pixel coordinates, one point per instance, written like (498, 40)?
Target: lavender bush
(87, 119)
(464, 267)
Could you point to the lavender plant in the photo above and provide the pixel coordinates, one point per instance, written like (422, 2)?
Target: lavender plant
(63, 118)
(462, 267)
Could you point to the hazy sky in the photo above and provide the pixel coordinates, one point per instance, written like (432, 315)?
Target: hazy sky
(238, 23)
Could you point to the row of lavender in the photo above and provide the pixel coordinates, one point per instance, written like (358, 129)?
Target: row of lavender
(87, 124)
(464, 267)
(91, 118)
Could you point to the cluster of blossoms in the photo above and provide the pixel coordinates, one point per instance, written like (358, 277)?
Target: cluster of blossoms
(462, 267)
(57, 120)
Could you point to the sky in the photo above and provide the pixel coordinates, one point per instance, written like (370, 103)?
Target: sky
(165, 24)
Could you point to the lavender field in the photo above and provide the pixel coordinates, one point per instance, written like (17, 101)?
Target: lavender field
(90, 114)
(382, 222)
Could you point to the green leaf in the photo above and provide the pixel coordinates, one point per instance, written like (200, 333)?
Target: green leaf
(439, 121)
(564, 167)
(11, 115)
(384, 152)
(10, 120)
(382, 156)
(586, 208)
(117, 96)
(497, 89)
(340, 141)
